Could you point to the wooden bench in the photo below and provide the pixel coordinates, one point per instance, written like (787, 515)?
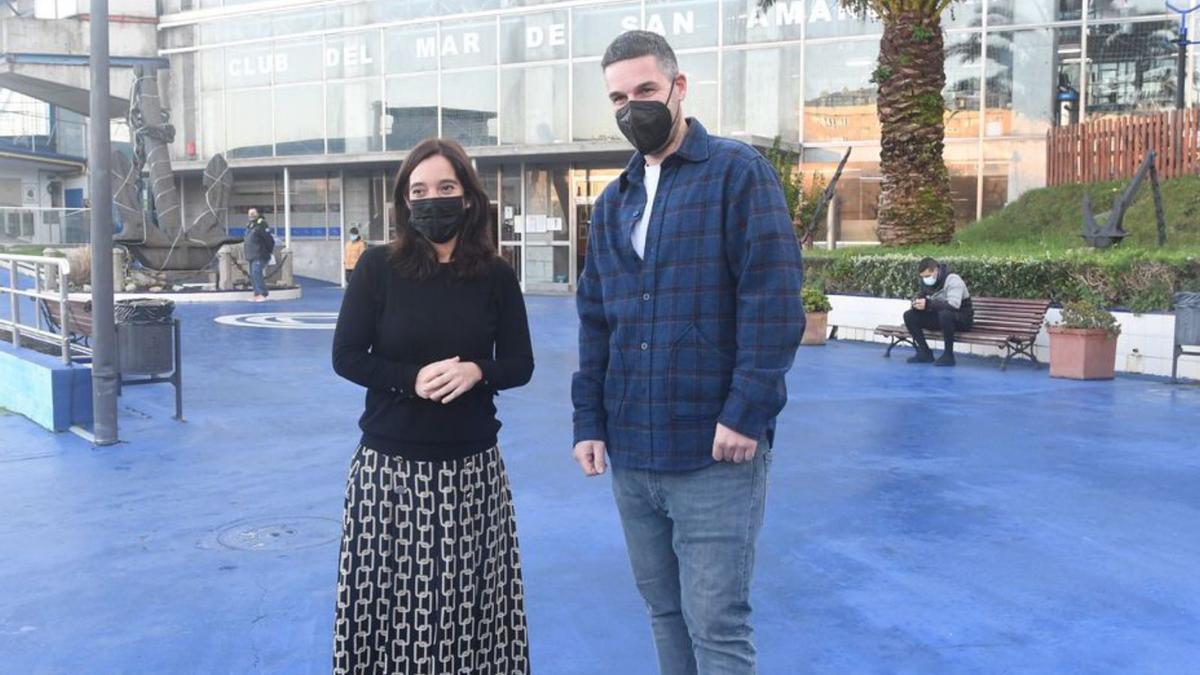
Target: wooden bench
(79, 330)
(1011, 326)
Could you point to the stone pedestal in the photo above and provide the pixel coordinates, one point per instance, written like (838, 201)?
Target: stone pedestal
(234, 271)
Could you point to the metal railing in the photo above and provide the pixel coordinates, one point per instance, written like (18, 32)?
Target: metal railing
(49, 286)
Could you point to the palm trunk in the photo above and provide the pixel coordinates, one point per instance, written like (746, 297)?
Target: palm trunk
(915, 201)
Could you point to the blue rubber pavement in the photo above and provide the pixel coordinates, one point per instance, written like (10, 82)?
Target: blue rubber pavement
(919, 520)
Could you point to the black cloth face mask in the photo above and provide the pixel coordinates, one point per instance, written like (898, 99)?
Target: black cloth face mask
(438, 219)
(647, 124)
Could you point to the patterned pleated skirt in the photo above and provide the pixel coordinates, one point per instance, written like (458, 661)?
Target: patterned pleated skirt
(429, 579)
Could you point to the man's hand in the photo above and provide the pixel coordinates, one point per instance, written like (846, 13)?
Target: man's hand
(590, 455)
(444, 381)
(730, 446)
(919, 304)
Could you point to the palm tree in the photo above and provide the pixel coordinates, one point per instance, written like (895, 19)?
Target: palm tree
(915, 202)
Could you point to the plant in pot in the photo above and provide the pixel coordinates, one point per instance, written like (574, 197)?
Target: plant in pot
(1083, 346)
(816, 315)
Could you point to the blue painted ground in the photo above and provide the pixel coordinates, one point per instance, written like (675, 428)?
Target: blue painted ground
(919, 520)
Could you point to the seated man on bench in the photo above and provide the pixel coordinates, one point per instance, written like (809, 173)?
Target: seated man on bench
(944, 304)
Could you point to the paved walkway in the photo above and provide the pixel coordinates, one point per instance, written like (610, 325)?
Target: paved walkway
(920, 520)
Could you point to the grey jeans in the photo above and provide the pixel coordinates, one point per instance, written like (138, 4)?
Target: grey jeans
(691, 538)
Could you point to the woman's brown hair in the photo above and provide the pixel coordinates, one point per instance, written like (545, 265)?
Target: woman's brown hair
(411, 252)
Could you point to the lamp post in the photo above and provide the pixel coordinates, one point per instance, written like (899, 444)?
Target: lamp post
(1182, 43)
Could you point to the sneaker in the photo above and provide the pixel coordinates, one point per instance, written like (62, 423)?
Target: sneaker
(946, 360)
(921, 357)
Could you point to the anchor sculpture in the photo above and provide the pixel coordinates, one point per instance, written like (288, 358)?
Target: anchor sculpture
(1113, 232)
(158, 237)
(810, 228)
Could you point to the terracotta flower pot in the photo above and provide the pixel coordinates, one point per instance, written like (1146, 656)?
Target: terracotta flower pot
(1082, 353)
(816, 325)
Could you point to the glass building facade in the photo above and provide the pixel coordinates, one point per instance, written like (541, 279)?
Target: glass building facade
(315, 104)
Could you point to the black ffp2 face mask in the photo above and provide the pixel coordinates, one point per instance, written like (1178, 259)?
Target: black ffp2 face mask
(438, 219)
(647, 124)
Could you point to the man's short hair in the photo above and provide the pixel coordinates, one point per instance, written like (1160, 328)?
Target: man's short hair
(354, 230)
(635, 44)
(927, 264)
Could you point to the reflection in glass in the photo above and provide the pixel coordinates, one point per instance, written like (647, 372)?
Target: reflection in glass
(308, 201)
(546, 194)
(469, 107)
(352, 55)
(212, 69)
(961, 92)
(411, 110)
(964, 14)
(962, 161)
(1020, 104)
(212, 123)
(857, 190)
(762, 93)
(512, 221)
(593, 111)
(596, 27)
(250, 66)
(533, 37)
(301, 21)
(531, 114)
(1010, 169)
(299, 122)
(251, 136)
(1130, 67)
(687, 24)
(229, 30)
(353, 117)
(411, 49)
(366, 195)
(465, 45)
(701, 103)
(746, 22)
(839, 97)
(1010, 12)
(1123, 9)
(297, 61)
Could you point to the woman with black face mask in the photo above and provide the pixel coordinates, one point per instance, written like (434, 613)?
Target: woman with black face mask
(434, 325)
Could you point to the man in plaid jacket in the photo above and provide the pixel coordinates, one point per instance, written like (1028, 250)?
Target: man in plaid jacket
(690, 316)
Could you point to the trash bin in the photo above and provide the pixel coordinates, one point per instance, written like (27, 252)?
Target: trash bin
(1187, 319)
(145, 337)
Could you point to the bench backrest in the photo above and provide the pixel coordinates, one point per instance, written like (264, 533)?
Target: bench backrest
(1016, 318)
(80, 319)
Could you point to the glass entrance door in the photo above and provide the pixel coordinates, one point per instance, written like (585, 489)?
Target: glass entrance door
(587, 184)
(547, 226)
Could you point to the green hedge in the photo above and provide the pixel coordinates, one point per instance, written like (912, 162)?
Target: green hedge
(1137, 280)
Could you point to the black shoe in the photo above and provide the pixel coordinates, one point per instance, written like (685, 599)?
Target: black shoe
(946, 360)
(921, 357)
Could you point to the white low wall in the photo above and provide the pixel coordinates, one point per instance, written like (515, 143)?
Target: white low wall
(1145, 345)
(316, 258)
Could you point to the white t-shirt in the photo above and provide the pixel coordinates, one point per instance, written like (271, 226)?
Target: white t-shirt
(639, 232)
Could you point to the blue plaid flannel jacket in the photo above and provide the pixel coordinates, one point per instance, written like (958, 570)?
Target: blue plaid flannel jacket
(705, 328)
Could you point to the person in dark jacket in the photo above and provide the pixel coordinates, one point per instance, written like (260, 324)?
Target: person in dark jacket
(259, 244)
(434, 326)
(690, 317)
(943, 304)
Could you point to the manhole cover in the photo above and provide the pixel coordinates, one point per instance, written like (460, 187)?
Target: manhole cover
(279, 534)
(282, 320)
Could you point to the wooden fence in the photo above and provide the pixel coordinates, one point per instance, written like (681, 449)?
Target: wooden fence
(1112, 148)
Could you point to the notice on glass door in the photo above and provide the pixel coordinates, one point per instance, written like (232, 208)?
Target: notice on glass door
(554, 224)
(536, 224)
